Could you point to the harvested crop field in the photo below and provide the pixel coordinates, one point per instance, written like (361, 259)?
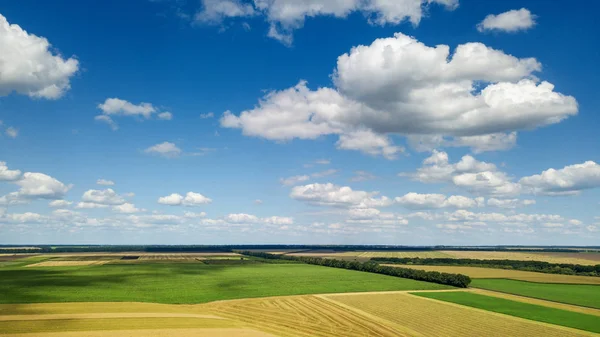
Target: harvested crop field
(52, 263)
(370, 254)
(304, 316)
(432, 318)
(573, 258)
(154, 333)
(477, 272)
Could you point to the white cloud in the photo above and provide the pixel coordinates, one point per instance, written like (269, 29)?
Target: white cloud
(258, 202)
(119, 107)
(214, 11)
(39, 185)
(338, 196)
(279, 220)
(207, 115)
(369, 142)
(30, 66)
(478, 95)
(105, 182)
(106, 119)
(190, 199)
(87, 205)
(592, 228)
(511, 21)
(127, 208)
(571, 179)
(241, 218)
(509, 203)
(167, 116)
(103, 197)
(293, 180)
(12, 132)
(362, 176)
(323, 161)
(324, 173)
(429, 201)
(285, 16)
(194, 215)
(165, 149)
(487, 183)
(8, 175)
(27, 217)
(59, 203)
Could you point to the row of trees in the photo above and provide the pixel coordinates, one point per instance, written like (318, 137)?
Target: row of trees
(536, 266)
(457, 280)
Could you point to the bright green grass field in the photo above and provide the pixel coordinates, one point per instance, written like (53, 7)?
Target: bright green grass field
(577, 294)
(519, 309)
(187, 283)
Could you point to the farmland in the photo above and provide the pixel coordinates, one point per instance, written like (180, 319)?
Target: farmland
(186, 283)
(571, 258)
(576, 294)
(478, 272)
(520, 309)
(168, 294)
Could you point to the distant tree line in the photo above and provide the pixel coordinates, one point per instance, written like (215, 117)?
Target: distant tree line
(536, 266)
(456, 280)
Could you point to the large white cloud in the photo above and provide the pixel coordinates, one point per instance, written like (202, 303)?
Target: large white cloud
(284, 16)
(39, 185)
(569, 180)
(30, 66)
(399, 85)
(338, 196)
(511, 21)
(190, 199)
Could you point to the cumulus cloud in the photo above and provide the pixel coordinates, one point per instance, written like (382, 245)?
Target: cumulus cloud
(11, 132)
(118, 107)
(59, 203)
(39, 185)
(167, 116)
(165, 149)
(285, 16)
(190, 199)
(8, 175)
(103, 197)
(31, 66)
(477, 95)
(338, 196)
(429, 201)
(509, 203)
(90, 205)
(570, 179)
(105, 182)
(127, 208)
(511, 21)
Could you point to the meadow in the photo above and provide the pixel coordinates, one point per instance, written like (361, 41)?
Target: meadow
(519, 309)
(186, 282)
(576, 294)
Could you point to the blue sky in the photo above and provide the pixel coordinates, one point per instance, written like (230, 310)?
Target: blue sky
(273, 121)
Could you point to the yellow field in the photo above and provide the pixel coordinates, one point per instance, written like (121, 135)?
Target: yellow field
(574, 258)
(427, 317)
(476, 272)
(334, 315)
(67, 263)
(363, 254)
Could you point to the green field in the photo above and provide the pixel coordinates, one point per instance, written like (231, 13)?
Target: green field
(577, 294)
(519, 309)
(187, 283)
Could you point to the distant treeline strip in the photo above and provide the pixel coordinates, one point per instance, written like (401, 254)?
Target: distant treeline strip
(537, 266)
(226, 248)
(456, 280)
